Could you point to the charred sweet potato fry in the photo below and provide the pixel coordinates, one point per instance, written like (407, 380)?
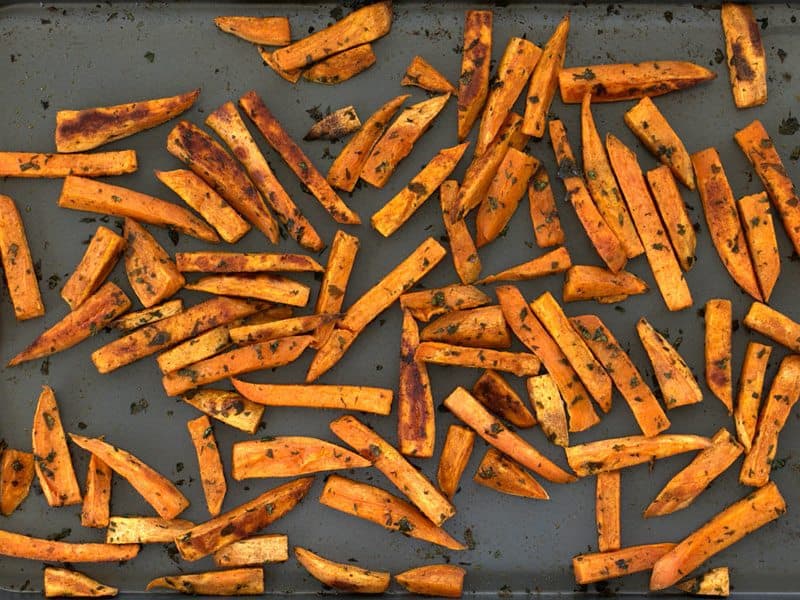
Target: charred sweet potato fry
(212, 475)
(626, 81)
(673, 212)
(405, 203)
(692, 481)
(722, 218)
(290, 456)
(456, 451)
(513, 71)
(260, 332)
(399, 138)
(747, 63)
(233, 582)
(63, 583)
(342, 66)
(97, 499)
(446, 581)
(424, 75)
(292, 76)
(344, 397)
(520, 364)
(726, 528)
(145, 530)
(98, 312)
(255, 550)
(269, 31)
(227, 407)
(380, 507)
(544, 80)
(470, 411)
(344, 577)
(773, 324)
(587, 282)
(79, 130)
(158, 491)
(330, 299)
(719, 331)
(150, 270)
(761, 241)
(483, 327)
(263, 286)
(549, 409)
(466, 261)
(504, 475)
(338, 124)
(97, 263)
(347, 166)
(555, 261)
(473, 84)
(133, 320)
(31, 548)
(626, 377)
(607, 511)
(416, 421)
(244, 262)
(751, 384)
(15, 255)
(36, 166)
(499, 397)
(590, 568)
(544, 214)
(715, 582)
(16, 475)
(678, 385)
(658, 250)
(80, 193)
(619, 453)
(427, 304)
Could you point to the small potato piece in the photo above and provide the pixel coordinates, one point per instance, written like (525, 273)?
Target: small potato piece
(194, 350)
(719, 331)
(751, 384)
(427, 304)
(79, 130)
(549, 408)
(473, 84)
(98, 261)
(773, 324)
(233, 582)
(31, 548)
(151, 273)
(587, 282)
(63, 583)
(269, 31)
(16, 475)
(544, 80)
(499, 397)
(590, 568)
(344, 397)
(715, 582)
(416, 419)
(272, 330)
(544, 214)
(212, 475)
(332, 290)
(483, 327)
(456, 453)
(292, 76)
(342, 66)
(466, 261)
(244, 262)
(97, 499)
(267, 287)
(673, 212)
(607, 511)
(140, 318)
(520, 364)
(18, 267)
(761, 241)
(347, 578)
(502, 474)
(747, 62)
(338, 124)
(446, 581)
(423, 74)
(550, 263)
(31, 165)
(228, 407)
(255, 550)
(145, 530)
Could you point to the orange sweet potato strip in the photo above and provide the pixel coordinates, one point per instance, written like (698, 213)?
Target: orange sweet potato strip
(244, 262)
(97, 263)
(91, 317)
(719, 331)
(692, 481)
(144, 530)
(498, 472)
(416, 420)
(342, 66)
(427, 304)
(483, 327)
(292, 76)
(150, 270)
(345, 397)
(269, 31)
(273, 330)
(761, 241)
(424, 75)
(674, 214)
(456, 451)
(466, 261)
(499, 397)
(264, 286)
(227, 407)
(773, 324)
(79, 130)
(290, 456)
(31, 548)
(747, 62)
(332, 290)
(751, 384)
(60, 583)
(544, 214)
(725, 529)
(232, 582)
(520, 364)
(140, 318)
(607, 511)
(97, 499)
(212, 475)
(473, 84)
(590, 568)
(99, 164)
(549, 408)
(587, 282)
(16, 475)
(256, 550)
(18, 268)
(555, 261)
(722, 218)
(446, 581)
(345, 577)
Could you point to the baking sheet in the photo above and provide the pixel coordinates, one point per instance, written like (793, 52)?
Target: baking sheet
(79, 55)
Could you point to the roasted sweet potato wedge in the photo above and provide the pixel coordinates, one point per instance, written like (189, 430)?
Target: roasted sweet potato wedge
(607, 511)
(233, 582)
(719, 331)
(550, 263)
(273, 330)
(269, 31)
(145, 530)
(63, 583)
(773, 324)
(416, 421)
(18, 268)
(549, 409)
(590, 568)
(504, 475)
(31, 548)
(255, 550)
(520, 364)
(334, 126)
(344, 577)
(456, 451)
(587, 282)
(244, 262)
(466, 261)
(212, 475)
(30, 165)
(332, 290)
(476, 56)
(544, 214)
(16, 475)
(53, 463)
(761, 241)
(150, 270)
(424, 75)
(344, 397)
(227, 407)
(499, 397)
(264, 286)
(483, 327)
(97, 499)
(747, 62)
(427, 304)
(342, 66)
(446, 581)
(715, 582)
(673, 212)
(133, 320)
(751, 384)
(292, 76)
(290, 456)
(98, 261)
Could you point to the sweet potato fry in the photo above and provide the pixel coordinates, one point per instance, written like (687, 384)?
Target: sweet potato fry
(399, 138)
(513, 71)
(295, 158)
(719, 331)
(499, 397)
(342, 66)
(544, 80)
(359, 27)
(290, 456)
(195, 192)
(473, 85)
(504, 475)
(344, 577)
(79, 130)
(456, 451)
(150, 270)
(678, 385)
(80, 193)
(395, 467)
(783, 395)
(544, 214)
(416, 421)
(590, 568)
(264, 286)
(97, 499)
(347, 167)
(31, 548)
(554, 261)
(619, 453)
(255, 550)
(722, 217)
(445, 581)
(133, 320)
(227, 407)
(269, 31)
(471, 412)
(761, 241)
(380, 507)
(145, 530)
(233, 582)
(427, 304)
(16, 475)
(332, 290)
(265, 355)
(424, 75)
(343, 397)
(658, 250)
(158, 491)
(466, 261)
(63, 583)
(330, 353)
(760, 151)
(198, 348)
(262, 332)
(549, 409)
(692, 481)
(626, 377)
(726, 528)
(520, 364)
(751, 384)
(212, 475)
(483, 327)
(747, 63)
(587, 282)
(607, 511)
(15, 255)
(292, 76)
(605, 241)
(715, 582)
(98, 261)
(673, 212)
(391, 216)
(99, 164)
(626, 81)
(334, 126)
(242, 521)
(773, 324)
(244, 262)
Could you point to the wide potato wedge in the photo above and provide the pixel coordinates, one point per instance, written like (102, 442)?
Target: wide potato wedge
(63, 583)
(456, 452)
(747, 62)
(18, 268)
(424, 75)
(499, 397)
(344, 577)
(761, 241)
(500, 473)
(150, 270)
(98, 261)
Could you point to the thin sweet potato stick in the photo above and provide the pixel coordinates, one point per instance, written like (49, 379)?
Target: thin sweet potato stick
(773, 324)
(607, 511)
(520, 364)
(144, 530)
(416, 419)
(549, 409)
(473, 84)
(590, 568)
(456, 452)
(674, 214)
(264, 286)
(244, 262)
(751, 384)
(427, 304)
(343, 397)
(345, 577)
(761, 241)
(719, 331)
(269, 31)
(483, 327)
(747, 62)
(97, 499)
(466, 261)
(544, 214)
(212, 475)
(63, 583)
(233, 582)
(31, 165)
(445, 581)
(550, 263)
(273, 330)
(255, 551)
(330, 300)
(15, 254)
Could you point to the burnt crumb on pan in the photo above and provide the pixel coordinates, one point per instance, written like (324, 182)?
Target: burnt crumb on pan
(718, 56)
(668, 16)
(781, 54)
(789, 126)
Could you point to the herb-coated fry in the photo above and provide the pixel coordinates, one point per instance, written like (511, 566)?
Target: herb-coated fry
(751, 384)
(99, 164)
(424, 75)
(228, 407)
(342, 66)
(133, 320)
(269, 31)
(456, 451)
(255, 550)
(16, 475)
(18, 268)
(761, 241)
(445, 581)
(233, 582)
(483, 327)
(212, 475)
(344, 577)
(416, 420)
(674, 214)
(290, 456)
(773, 324)
(499, 397)
(549, 409)
(97, 499)
(476, 56)
(719, 331)
(500, 473)
(264, 286)
(150, 270)
(544, 214)
(31, 548)
(334, 126)
(550, 263)
(590, 568)
(588, 282)
(466, 261)
(747, 62)
(144, 530)
(607, 510)
(98, 261)
(344, 397)
(63, 583)
(520, 364)
(427, 304)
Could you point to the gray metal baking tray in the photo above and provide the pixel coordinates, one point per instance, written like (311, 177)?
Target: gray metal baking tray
(69, 55)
